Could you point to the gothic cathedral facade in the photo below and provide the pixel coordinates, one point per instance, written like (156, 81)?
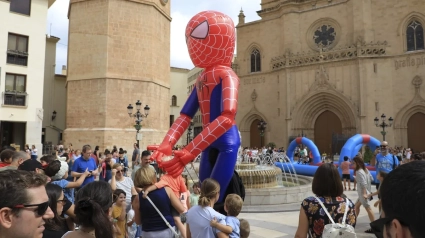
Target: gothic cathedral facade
(327, 68)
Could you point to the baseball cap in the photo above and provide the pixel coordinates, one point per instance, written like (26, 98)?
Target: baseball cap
(30, 165)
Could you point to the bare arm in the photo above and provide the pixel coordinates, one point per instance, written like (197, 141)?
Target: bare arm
(188, 234)
(222, 235)
(113, 180)
(79, 181)
(149, 189)
(302, 225)
(221, 227)
(175, 202)
(136, 208)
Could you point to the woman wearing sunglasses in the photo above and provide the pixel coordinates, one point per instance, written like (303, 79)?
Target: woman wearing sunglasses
(55, 227)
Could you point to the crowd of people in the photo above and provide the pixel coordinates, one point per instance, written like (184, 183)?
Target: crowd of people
(88, 193)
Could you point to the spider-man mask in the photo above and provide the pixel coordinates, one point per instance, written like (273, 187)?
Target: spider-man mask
(210, 39)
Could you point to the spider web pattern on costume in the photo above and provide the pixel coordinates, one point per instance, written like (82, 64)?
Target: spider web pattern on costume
(218, 47)
(210, 78)
(177, 129)
(207, 81)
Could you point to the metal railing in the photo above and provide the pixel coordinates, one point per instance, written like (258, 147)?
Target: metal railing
(15, 99)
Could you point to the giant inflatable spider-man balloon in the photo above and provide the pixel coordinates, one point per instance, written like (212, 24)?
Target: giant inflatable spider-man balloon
(210, 39)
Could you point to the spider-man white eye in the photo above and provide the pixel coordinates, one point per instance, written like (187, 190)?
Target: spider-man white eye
(201, 31)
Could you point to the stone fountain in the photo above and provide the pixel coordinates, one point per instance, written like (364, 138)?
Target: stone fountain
(266, 184)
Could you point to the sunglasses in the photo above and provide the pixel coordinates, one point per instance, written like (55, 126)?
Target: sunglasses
(41, 208)
(383, 146)
(119, 171)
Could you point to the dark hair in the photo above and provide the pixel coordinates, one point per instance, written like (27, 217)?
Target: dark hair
(57, 223)
(345, 158)
(14, 185)
(417, 156)
(117, 193)
(52, 168)
(6, 154)
(402, 194)
(327, 182)
(146, 153)
(48, 158)
(96, 148)
(360, 164)
(6, 147)
(107, 152)
(92, 205)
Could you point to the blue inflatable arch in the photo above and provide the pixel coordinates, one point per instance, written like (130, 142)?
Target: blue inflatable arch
(353, 145)
(310, 145)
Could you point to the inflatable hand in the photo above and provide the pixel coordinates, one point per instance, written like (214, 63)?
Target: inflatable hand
(175, 166)
(159, 152)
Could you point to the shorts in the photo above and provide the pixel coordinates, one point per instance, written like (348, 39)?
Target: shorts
(363, 201)
(346, 176)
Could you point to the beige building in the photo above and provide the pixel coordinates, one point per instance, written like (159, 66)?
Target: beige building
(197, 119)
(327, 68)
(118, 53)
(178, 92)
(54, 98)
(22, 69)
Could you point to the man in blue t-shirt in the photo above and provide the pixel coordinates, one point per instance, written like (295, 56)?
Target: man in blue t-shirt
(83, 163)
(385, 161)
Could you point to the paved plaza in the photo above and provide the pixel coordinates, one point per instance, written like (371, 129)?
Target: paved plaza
(284, 224)
(282, 221)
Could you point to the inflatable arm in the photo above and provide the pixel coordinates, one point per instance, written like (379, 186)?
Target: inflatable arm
(307, 142)
(180, 124)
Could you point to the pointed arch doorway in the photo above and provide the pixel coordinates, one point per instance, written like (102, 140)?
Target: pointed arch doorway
(416, 132)
(255, 138)
(326, 125)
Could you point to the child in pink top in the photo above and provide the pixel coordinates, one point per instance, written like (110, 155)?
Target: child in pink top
(345, 167)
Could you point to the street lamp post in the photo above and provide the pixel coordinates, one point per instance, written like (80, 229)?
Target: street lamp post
(262, 127)
(383, 124)
(138, 116)
(189, 133)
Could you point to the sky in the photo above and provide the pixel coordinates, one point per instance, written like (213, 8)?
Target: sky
(181, 12)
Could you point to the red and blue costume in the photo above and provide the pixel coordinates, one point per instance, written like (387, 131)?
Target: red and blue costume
(210, 38)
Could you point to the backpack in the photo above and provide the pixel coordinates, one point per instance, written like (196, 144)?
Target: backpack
(337, 230)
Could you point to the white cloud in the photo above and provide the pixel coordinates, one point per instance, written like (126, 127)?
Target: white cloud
(181, 12)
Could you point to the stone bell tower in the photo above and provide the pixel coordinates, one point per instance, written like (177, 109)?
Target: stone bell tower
(118, 53)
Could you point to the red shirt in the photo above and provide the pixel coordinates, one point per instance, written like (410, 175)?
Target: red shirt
(3, 164)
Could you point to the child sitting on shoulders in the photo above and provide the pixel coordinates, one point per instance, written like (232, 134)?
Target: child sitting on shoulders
(233, 206)
(178, 186)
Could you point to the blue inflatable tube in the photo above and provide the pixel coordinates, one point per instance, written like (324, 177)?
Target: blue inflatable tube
(353, 145)
(310, 170)
(356, 150)
(310, 145)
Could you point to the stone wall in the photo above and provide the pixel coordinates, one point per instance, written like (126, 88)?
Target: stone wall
(118, 53)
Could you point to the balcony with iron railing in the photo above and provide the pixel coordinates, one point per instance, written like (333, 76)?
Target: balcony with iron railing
(17, 57)
(13, 98)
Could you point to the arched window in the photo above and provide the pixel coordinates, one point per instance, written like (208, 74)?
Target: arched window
(415, 36)
(174, 100)
(255, 61)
